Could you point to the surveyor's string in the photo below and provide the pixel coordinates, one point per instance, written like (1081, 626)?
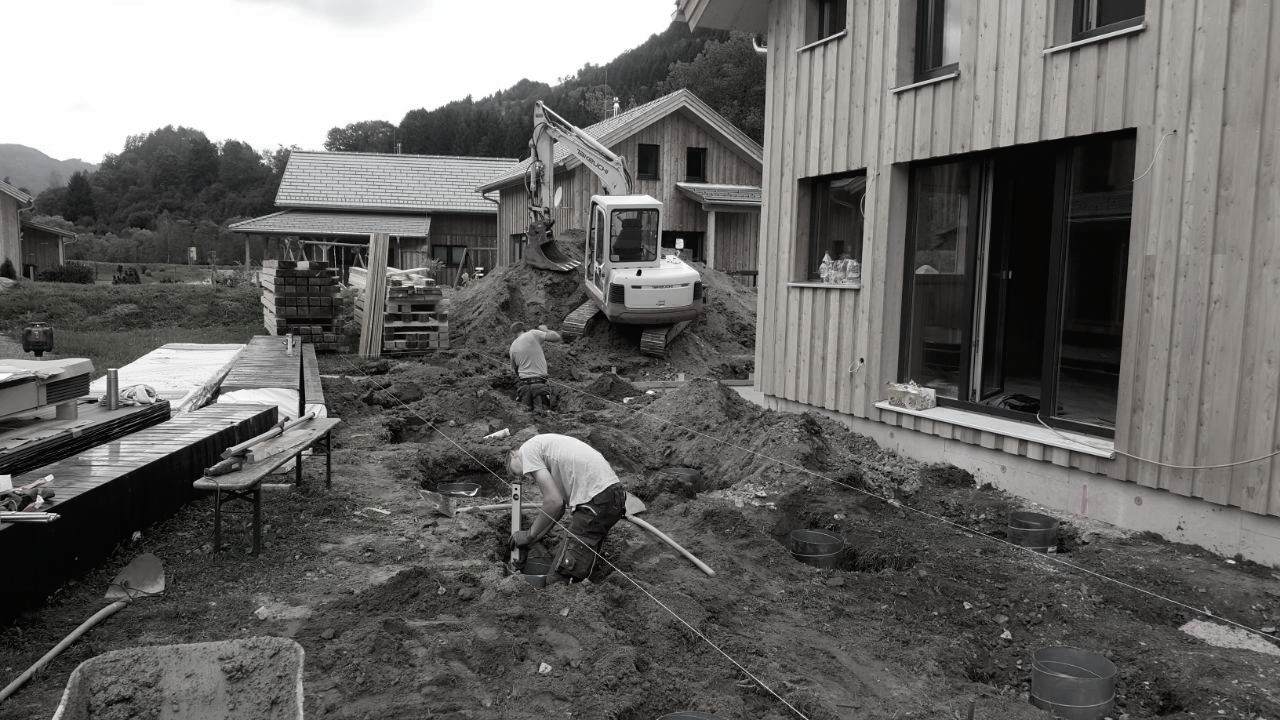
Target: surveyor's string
(587, 545)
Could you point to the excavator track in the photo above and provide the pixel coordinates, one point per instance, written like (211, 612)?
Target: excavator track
(575, 324)
(654, 340)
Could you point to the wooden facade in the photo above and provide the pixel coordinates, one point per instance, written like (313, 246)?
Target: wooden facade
(12, 200)
(1195, 84)
(679, 124)
(43, 247)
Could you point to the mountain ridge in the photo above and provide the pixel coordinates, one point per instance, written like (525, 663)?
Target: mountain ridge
(33, 171)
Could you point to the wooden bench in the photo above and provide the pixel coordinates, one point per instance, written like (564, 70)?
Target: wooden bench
(261, 460)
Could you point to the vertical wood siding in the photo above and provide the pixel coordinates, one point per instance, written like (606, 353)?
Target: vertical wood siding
(1200, 375)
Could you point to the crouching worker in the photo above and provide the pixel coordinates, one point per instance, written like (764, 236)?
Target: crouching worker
(570, 474)
(530, 364)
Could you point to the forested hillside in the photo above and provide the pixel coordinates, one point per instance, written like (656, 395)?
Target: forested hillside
(172, 188)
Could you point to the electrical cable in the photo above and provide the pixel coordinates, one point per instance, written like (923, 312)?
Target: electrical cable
(1155, 154)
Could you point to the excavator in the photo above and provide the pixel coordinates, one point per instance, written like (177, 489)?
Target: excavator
(628, 276)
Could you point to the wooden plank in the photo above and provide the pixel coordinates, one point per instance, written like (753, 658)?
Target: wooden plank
(987, 66)
(1257, 485)
(1082, 91)
(966, 85)
(375, 293)
(852, 96)
(1113, 88)
(1031, 80)
(1011, 67)
(925, 119)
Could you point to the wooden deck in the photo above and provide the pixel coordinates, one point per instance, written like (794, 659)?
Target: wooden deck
(265, 363)
(30, 441)
(106, 493)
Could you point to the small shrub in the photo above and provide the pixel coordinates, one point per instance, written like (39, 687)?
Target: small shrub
(72, 272)
(7, 270)
(126, 276)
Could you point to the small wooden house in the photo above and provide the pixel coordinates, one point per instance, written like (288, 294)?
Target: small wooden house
(43, 247)
(331, 202)
(12, 200)
(1067, 215)
(705, 171)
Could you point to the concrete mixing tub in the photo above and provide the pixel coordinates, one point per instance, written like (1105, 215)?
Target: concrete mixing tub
(258, 678)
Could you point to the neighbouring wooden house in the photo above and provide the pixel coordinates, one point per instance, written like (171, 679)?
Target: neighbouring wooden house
(43, 247)
(12, 201)
(705, 171)
(331, 202)
(1067, 215)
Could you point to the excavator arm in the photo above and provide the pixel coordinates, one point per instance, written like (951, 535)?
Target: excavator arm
(548, 129)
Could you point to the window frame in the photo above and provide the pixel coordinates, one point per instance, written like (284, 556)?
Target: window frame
(449, 252)
(646, 154)
(816, 193)
(980, 211)
(825, 19)
(696, 155)
(1083, 12)
(931, 22)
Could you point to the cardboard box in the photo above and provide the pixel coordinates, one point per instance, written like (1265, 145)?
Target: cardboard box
(911, 396)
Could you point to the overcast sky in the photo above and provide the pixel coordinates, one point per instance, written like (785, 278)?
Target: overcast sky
(84, 75)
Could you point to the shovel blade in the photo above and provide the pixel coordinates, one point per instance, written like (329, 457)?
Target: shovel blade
(143, 576)
(635, 505)
(441, 504)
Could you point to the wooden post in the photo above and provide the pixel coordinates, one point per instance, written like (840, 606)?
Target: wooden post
(375, 297)
(710, 246)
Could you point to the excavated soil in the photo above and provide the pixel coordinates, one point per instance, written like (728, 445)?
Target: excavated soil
(928, 612)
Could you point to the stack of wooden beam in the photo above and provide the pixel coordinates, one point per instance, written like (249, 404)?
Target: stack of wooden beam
(301, 297)
(415, 315)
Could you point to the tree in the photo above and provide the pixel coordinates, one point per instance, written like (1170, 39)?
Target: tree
(374, 136)
(729, 76)
(78, 203)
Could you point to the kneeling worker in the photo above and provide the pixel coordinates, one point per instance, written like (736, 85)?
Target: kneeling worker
(530, 364)
(570, 474)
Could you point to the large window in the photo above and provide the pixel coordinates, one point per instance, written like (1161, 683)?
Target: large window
(1098, 17)
(825, 18)
(647, 162)
(836, 205)
(938, 25)
(695, 169)
(451, 255)
(1016, 267)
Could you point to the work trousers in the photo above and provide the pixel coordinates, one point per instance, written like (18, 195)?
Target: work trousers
(534, 393)
(589, 524)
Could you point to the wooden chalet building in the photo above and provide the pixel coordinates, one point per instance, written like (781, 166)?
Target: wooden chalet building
(1067, 214)
(331, 202)
(43, 247)
(705, 171)
(12, 202)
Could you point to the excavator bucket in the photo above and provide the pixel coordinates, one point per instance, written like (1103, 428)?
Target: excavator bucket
(547, 255)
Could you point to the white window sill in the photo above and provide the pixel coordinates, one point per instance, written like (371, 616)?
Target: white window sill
(824, 286)
(1052, 437)
(922, 83)
(823, 41)
(1101, 38)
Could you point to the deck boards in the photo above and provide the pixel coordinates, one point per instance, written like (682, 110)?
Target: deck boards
(33, 440)
(265, 363)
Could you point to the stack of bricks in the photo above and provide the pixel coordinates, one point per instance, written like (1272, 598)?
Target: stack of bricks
(301, 297)
(415, 318)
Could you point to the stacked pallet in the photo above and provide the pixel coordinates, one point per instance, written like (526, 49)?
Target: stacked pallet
(415, 316)
(301, 297)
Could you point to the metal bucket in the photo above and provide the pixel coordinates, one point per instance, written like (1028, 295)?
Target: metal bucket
(536, 570)
(819, 548)
(1033, 530)
(1075, 684)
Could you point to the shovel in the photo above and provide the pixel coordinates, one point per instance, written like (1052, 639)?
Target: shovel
(635, 506)
(141, 578)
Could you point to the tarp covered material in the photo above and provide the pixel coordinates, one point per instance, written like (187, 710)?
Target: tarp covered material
(283, 398)
(185, 374)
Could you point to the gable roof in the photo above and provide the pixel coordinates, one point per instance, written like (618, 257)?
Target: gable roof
(15, 193)
(336, 223)
(387, 183)
(611, 131)
(64, 234)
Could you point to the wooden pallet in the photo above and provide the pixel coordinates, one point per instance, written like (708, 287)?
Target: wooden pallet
(301, 298)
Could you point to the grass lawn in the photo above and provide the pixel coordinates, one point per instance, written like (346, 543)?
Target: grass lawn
(156, 273)
(114, 325)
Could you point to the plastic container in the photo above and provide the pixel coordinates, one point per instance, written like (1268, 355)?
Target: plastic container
(1033, 530)
(1075, 684)
(819, 548)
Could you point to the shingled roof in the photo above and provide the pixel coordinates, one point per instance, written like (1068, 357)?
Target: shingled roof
(614, 130)
(714, 196)
(15, 193)
(387, 183)
(336, 223)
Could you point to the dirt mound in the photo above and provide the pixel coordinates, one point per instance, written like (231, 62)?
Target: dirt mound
(718, 344)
